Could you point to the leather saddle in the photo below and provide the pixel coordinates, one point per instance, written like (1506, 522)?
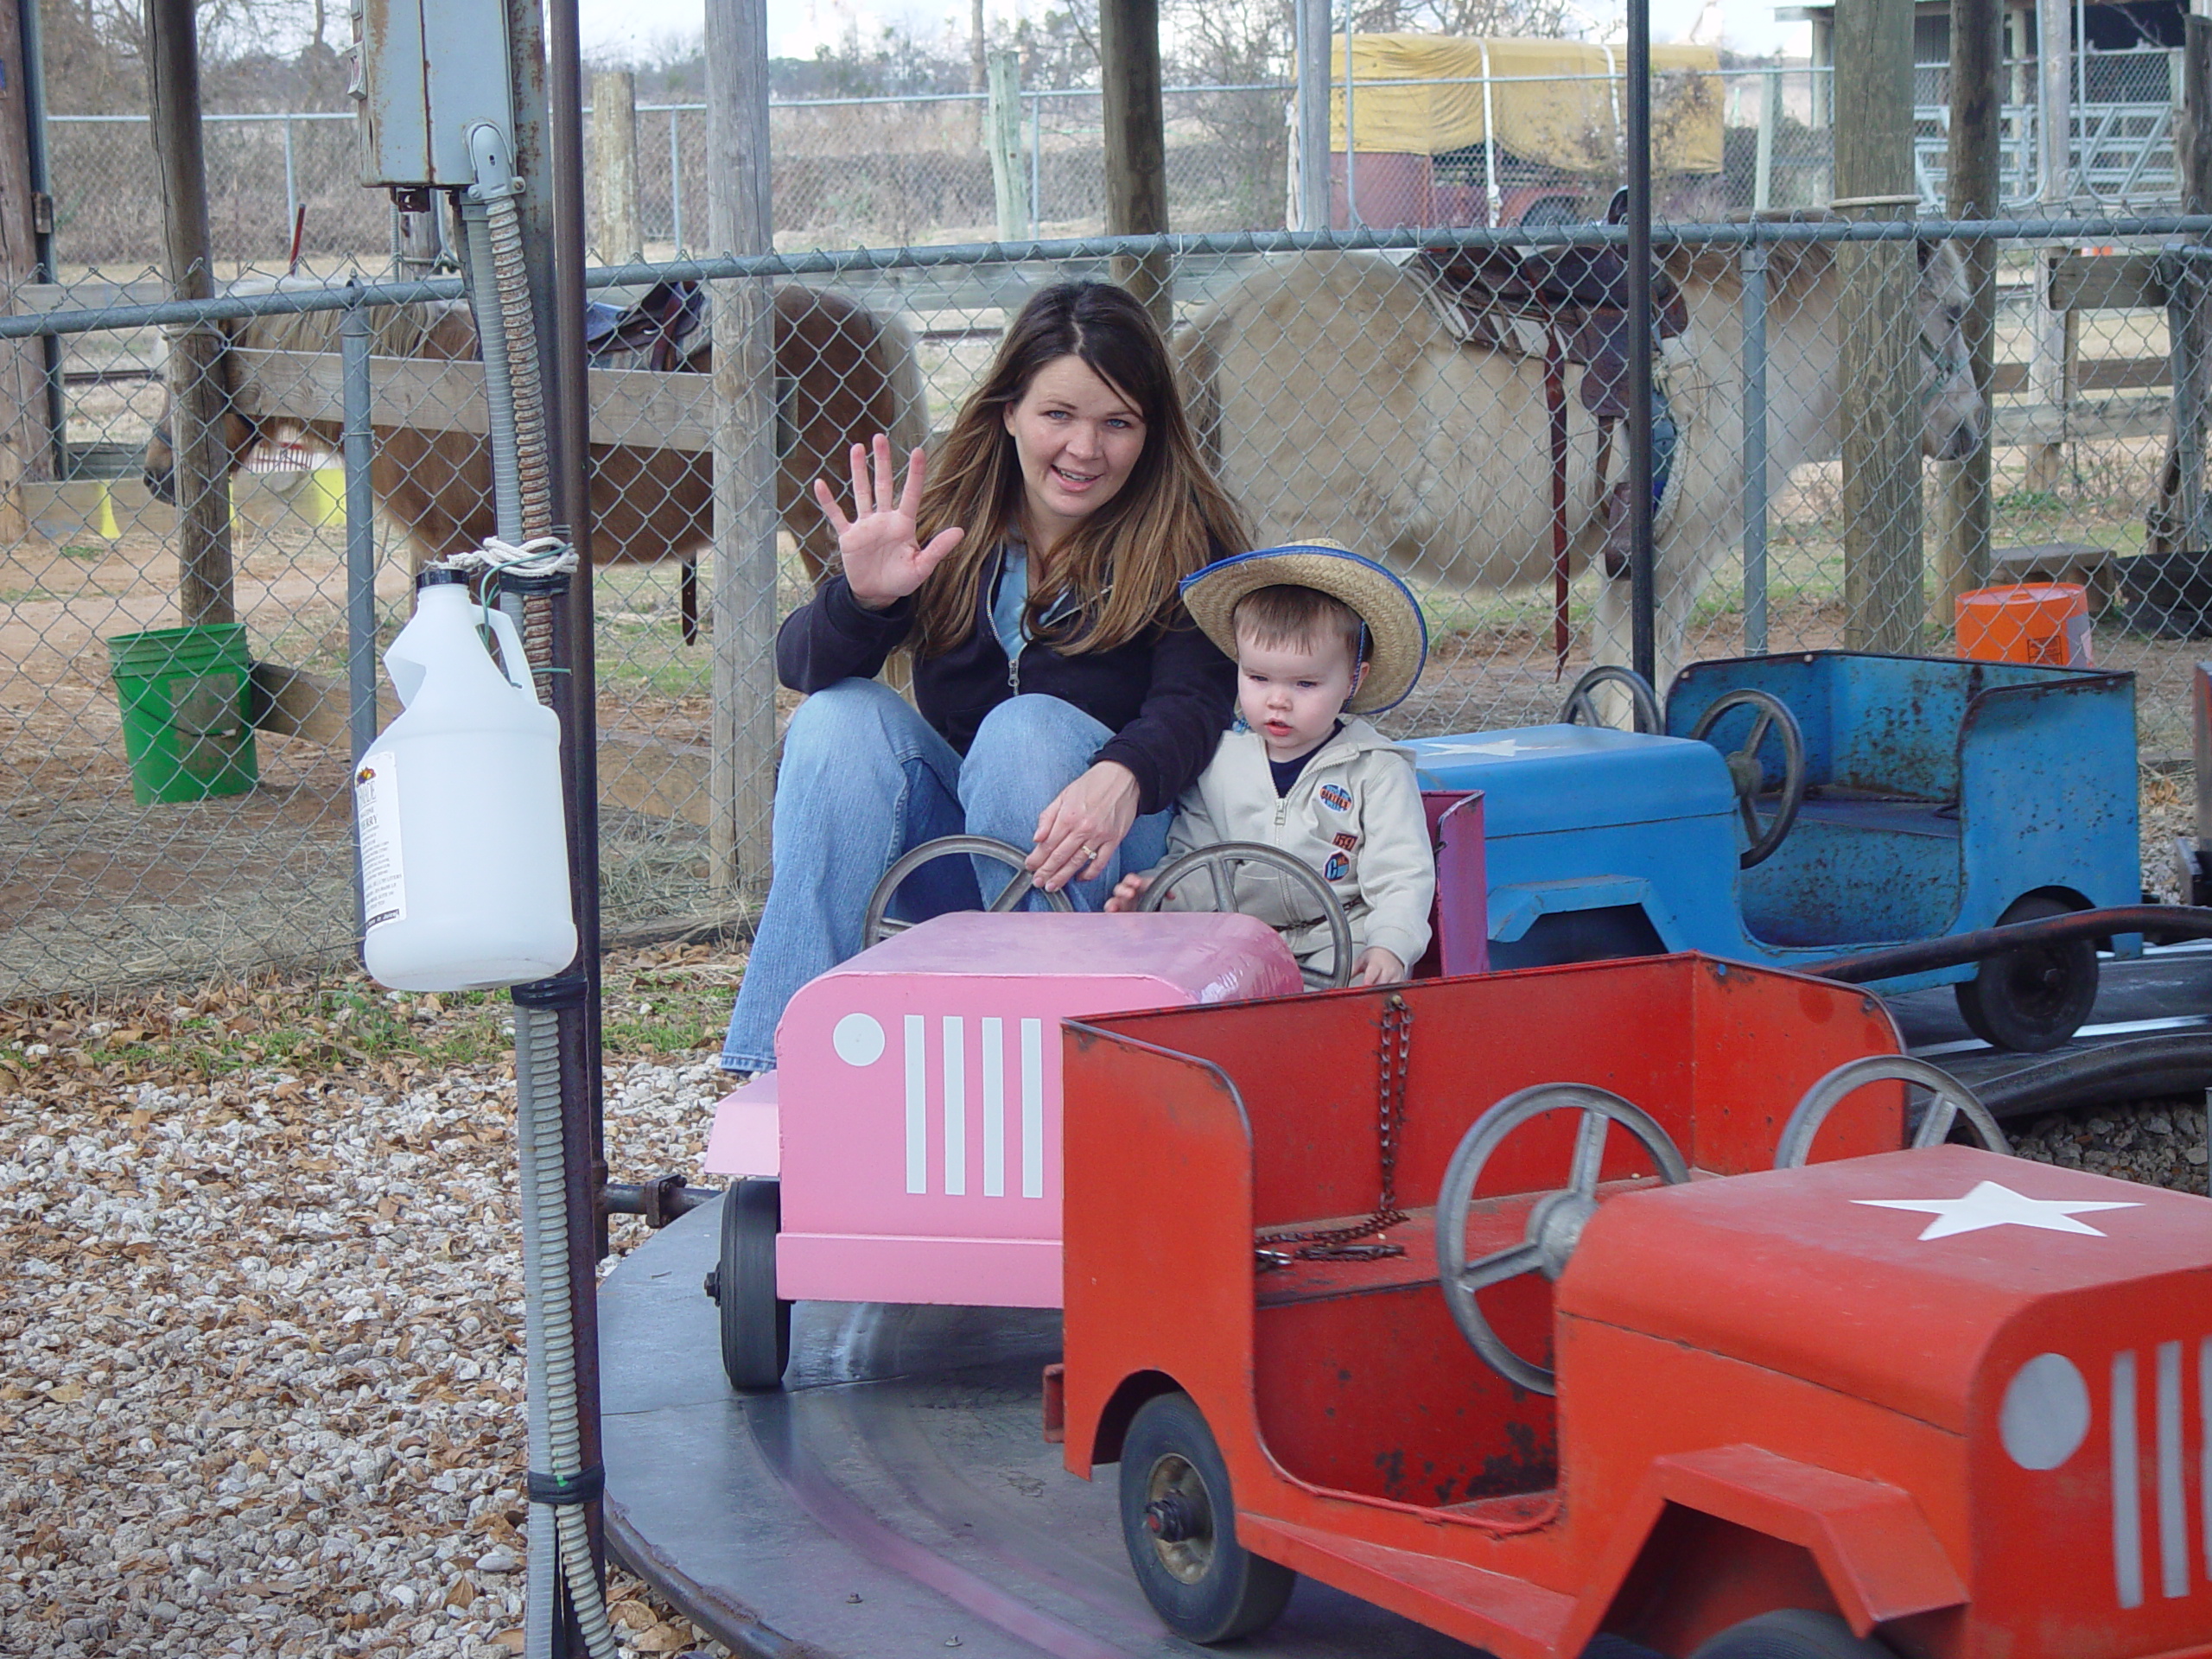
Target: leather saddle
(644, 327)
(1577, 296)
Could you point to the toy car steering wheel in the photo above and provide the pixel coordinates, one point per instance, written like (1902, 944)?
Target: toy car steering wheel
(880, 924)
(1555, 1226)
(1746, 773)
(1580, 708)
(1221, 860)
(1953, 1100)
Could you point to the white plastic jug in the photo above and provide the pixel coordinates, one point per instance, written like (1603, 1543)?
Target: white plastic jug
(464, 847)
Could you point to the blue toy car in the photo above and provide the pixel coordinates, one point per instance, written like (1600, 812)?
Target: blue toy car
(1798, 808)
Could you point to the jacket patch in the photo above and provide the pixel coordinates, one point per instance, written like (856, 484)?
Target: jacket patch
(1335, 797)
(1335, 868)
(1346, 839)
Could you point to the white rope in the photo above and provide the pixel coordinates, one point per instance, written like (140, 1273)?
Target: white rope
(541, 555)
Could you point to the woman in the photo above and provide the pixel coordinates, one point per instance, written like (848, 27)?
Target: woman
(1065, 699)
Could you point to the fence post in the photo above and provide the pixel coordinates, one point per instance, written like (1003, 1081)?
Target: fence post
(1881, 356)
(676, 183)
(2184, 292)
(1036, 164)
(1962, 560)
(196, 399)
(1136, 146)
(359, 447)
(614, 165)
(743, 776)
(1755, 463)
(1009, 184)
(2175, 522)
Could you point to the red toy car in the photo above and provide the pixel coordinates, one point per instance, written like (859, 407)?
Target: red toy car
(1927, 1401)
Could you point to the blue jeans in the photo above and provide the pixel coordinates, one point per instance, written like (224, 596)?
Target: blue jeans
(864, 779)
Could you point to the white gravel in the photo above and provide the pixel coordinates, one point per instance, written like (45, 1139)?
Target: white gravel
(262, 1377)
(260, 1372)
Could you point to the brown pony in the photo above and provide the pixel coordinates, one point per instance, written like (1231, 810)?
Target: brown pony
(842, 374)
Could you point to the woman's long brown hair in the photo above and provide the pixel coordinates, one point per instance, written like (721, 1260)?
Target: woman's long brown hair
(1121, 564)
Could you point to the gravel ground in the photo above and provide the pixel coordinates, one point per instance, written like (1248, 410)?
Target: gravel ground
(262, 1356)
(261, 1330)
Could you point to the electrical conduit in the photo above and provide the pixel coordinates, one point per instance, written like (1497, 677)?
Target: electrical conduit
(560, 1487)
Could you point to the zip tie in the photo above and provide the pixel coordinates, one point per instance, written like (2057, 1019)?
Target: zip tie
(554, 1491)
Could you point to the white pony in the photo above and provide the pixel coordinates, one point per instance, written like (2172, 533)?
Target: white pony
(1336, 398)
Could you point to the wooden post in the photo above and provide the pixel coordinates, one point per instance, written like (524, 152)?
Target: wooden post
(1136, 144)
(1882, 416)
(26, 435)
(1009, 178)
(614, 165)
(196, 391)
(2048, 383)
(743, 603)
(1977, 106)
(2175, 522)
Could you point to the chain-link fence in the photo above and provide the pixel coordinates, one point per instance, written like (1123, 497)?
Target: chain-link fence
(1397, 400)
(913, 171)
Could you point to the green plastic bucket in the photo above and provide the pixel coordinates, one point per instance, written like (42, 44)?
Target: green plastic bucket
(183, 692)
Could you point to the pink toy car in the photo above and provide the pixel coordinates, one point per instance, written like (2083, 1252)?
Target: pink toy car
(907, 1149)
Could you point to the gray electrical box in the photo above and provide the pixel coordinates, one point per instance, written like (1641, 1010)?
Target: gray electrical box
(424, 72)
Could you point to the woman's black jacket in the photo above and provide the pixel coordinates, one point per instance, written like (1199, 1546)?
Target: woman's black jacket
(1165, 695)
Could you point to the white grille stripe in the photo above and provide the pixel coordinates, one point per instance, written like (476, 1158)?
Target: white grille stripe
(2126, 1484)
(2173, 1515)
(1033, 1108)
(917, 1104)
(956, 1106)
(993, 1044)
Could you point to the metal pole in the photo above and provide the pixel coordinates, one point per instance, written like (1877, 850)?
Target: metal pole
(1754, 271)
(1769, 114)
(1313, 115)
(41, 182)
(1036, 165)
(1351, 144)
(1643, 643)
(675, 181)
(359, 447)
(291, 184)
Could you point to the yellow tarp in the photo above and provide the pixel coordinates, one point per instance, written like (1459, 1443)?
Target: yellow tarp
(1557, 102)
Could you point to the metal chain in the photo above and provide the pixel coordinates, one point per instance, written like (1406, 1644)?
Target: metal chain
(1394, 1054)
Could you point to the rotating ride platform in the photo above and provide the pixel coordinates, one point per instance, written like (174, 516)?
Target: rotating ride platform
(898, 1497)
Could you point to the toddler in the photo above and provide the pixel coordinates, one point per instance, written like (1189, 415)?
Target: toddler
(1320, 636)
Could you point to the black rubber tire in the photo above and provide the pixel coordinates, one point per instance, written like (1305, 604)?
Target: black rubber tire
(756, 1326)
(1233, 1592)
(1792, 1633)
(2030, 1001)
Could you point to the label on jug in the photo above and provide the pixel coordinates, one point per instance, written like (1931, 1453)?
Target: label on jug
(375, 810)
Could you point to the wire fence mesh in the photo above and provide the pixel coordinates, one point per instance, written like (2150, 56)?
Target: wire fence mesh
(910, 171)
(1382, 397)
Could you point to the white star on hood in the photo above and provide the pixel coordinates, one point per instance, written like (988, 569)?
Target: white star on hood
(1992, 1205)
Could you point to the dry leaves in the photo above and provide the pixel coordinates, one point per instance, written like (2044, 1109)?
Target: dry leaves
(261, 1343)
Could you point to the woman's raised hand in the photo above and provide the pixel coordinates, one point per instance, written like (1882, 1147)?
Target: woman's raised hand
(883, 559)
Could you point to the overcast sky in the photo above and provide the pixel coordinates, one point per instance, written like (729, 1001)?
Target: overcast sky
(797, 27)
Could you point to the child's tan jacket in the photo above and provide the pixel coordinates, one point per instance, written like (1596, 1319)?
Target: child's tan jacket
(1354, 816)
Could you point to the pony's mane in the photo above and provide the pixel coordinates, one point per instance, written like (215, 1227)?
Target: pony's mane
(438, 329)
